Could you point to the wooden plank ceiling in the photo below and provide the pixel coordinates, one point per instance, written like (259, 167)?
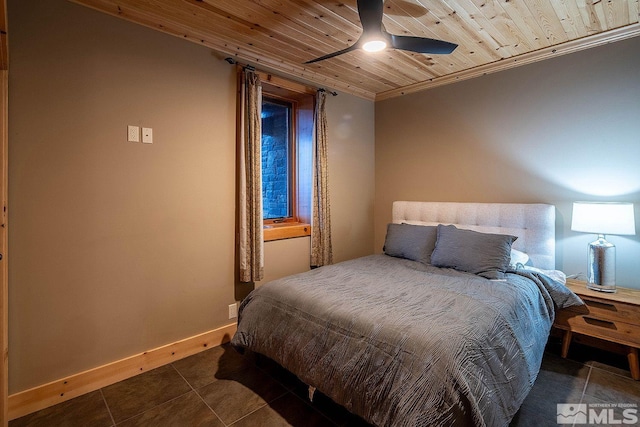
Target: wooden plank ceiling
(280, 35)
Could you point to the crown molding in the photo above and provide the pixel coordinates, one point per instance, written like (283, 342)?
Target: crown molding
(596, 40)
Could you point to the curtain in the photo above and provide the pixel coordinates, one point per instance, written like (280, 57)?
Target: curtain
(251, 257)
(321, 250)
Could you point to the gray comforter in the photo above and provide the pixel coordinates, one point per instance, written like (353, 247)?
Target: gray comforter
(404, 344)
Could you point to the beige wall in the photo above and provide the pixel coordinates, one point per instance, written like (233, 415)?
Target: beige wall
(351, 175)
(285, 257)
(118, 247)
(558, 131)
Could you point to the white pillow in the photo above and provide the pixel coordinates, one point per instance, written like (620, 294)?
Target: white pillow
(556, 275)
(518, 257)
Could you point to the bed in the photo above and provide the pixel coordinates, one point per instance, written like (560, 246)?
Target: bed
(426, 333)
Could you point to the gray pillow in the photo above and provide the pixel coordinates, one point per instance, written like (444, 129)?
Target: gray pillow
(414, 242)
(484, 254)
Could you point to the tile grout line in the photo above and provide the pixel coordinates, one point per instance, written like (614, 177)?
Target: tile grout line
(160, 404)
(289, 391)
(154, 407)
(104, 399)
(618, 374)
(264, 371)
(246, 415)
(198, 394)
(584, 390)
(286, 391)
(284, 387)
(293, 393)
(258, 409)
(586, 383)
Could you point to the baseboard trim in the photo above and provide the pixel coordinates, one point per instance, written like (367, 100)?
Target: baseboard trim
(43, 396)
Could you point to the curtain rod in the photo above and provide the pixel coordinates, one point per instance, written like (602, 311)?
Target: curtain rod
(252, 68)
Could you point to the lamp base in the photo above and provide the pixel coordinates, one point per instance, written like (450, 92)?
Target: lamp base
(601, 274)
(600, 288)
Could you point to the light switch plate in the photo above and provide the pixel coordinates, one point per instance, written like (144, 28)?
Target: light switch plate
(133, 133)
(147, 135)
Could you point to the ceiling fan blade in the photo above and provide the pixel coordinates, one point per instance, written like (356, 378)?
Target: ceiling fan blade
(422, 44)
(370, 12)
(331, 55)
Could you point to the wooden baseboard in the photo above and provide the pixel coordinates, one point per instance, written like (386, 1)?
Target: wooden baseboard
(40, 397)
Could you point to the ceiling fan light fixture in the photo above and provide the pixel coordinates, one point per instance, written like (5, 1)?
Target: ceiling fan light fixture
(375, 38)
(375, 45)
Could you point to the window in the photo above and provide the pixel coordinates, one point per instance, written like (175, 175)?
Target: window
(287, 156)
(278, 179)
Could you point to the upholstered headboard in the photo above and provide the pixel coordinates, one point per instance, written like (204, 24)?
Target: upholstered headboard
(533, 224)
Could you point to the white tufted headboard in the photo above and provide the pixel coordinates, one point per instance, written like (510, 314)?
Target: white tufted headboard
(533, 224)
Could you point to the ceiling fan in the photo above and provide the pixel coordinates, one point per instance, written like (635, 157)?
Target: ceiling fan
(375, 38)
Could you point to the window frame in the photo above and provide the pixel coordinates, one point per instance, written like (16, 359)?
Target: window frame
(299, 225)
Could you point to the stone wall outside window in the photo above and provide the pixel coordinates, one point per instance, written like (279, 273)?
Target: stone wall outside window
(275, 163)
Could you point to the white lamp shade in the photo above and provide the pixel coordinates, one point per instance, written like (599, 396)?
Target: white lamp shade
(603, 218)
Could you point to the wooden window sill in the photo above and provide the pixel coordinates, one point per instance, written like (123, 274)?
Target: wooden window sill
(286, 230)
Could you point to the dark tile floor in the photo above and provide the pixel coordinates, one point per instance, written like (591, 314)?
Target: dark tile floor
(220, 387)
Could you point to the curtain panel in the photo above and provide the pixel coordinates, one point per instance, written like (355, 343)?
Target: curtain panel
(251, 254)
(321, 250)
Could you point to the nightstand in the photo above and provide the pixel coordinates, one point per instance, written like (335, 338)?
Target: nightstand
(612, 317)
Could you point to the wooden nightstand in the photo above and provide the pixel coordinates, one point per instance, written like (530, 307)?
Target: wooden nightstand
(612, 317)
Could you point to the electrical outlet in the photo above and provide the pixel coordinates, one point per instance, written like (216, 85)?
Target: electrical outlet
(147, 135)
(133, 133)
(233, 310)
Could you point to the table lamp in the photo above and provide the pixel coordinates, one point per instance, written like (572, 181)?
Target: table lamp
(602, 218)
